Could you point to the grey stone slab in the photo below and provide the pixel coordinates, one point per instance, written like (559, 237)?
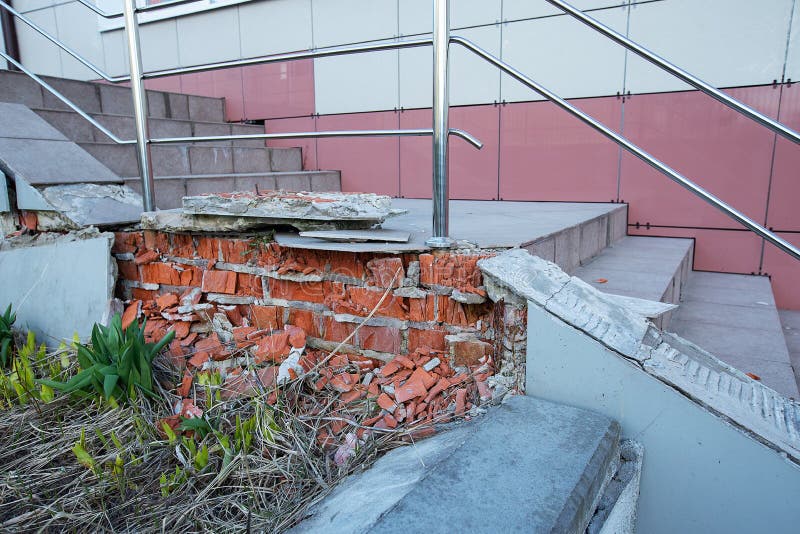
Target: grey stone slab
(762, 317)
(264, 182)
(178, 106)
(790, 320)
(30, 198)
(120, 125)
(208, 129)
(121, 159)
(5, 203)
(116, 100)
(326, 181)
(351, 236)
(206, 109)
(168, 191)
(156, 104)
(65, 162)
(248, 129)
(286, 160)
(567, 248)
(210, 160)
(251, 160)
(18, 88)
(289, 240)
(20, 122)
(293, 181)
(73, 126)
(84, 94)
(59, 288)
(545, 248)
(617, 225)
(594, 238)
(528, 466)
(162, 128)
(207, 185)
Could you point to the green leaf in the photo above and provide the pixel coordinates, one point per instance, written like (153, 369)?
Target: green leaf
(84, 457)
(201, 460)
(109, 383)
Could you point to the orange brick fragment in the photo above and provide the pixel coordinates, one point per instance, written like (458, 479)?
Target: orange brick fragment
(461, 401)
(412, 388)
(131, 313)
(219, 282)
(386, 402)
(166, 301)
(186, 385)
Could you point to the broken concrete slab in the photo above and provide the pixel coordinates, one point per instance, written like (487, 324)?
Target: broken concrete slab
(359, 236)
(289, 240)
(291, 205)
(175, 221)
(538, 466)
(5, 204)
(95, 204)
(58, 285)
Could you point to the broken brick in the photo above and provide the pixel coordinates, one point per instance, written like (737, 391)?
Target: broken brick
(131, 313)
(386, 272)
(411, 389)
(272, 348)
(386, 402)
(219, 282)
(148, 256)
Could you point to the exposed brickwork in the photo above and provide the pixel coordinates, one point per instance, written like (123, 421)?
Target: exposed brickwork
(327, 294)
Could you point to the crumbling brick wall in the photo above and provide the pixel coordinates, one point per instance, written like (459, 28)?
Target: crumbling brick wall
(327, 293)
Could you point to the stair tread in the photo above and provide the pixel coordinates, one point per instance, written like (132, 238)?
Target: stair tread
(734, 317)
(790, 320)
(151, 118)
(233, 175)
(642, 267)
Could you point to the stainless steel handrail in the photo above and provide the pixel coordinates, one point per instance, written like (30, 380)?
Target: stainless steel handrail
(85, 62)
(678, 72)
(67, 101)
(632, 148)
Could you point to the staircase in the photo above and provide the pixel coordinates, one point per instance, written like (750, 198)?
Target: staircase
(178, 169)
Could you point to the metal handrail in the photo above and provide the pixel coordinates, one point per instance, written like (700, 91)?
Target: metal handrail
(85, 62)
(678, 72)
(632, 148)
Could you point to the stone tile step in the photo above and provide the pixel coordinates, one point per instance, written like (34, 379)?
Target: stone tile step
(106, 98)
(528, 466)
(652, 268)
(79, 130)
(790, 320)
(200, 158)
(734, 317)
(170, 190)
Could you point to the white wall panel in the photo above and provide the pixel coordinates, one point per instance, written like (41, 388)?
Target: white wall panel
(363, 82)
(3, 65)
(77, 28)
(208, 37)
(793, 55)
(416, 78)
(724, 42)
(564, 56)
(116, 53)
(24, 6)
(416, 16)
(472, 12)
(473, 80)
(274, 27)
(159, 43)
(37, 53)
(339, 22)
(523, 9)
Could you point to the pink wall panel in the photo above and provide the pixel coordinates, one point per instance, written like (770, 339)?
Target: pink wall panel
(367, 164)
(548, 155)
(279, 90)
(710, 144)
(416, 156)
(725, 251)
(785, 192)
(301, 124)
(171, 84)
(198, 83)
(224, 83)
(785, 273)
(473, 173)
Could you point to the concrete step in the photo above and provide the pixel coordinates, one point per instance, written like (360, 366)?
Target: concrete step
(170, 190)
(734, 317)
(527, 466)
(197, 158)
(790, 320)
(80, 130)
(652, 268)
(106, 98)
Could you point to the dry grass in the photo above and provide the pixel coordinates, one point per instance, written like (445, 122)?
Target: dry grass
(266, 486)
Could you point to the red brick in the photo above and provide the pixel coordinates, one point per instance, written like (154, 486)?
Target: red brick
(236, 250)
(336, 331)
(361, 301)
(182, 245)
(143, 294)
(250, 285)
(426, 268)
(191, 276)
(416, 309)
(166, 301)
(304, 319)
(160, 273)
(346, 264)
(381, 339)
(468, 353)
(157, 241)
(428, 380)
(433, 339)
(386, 402)
(386, 272)
(131, 313)
(297, 291)
(127, 242)
(29, 220)
(297, 336)
(208, 248)
(272, 348)
(411, 389)
(147, 256)
(128, 270)
(266, 317)
(461, 401)
(219, 282)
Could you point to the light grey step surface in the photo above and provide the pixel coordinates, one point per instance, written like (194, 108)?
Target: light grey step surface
(106, 98)
(528, 466)
(734, 317)
(79, 130)
(652, 268)
(34, 151)
(790, 320)
(197, 158)
(170, 190)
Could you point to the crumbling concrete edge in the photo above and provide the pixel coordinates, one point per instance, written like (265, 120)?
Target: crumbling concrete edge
(617, 508)
(762, 413)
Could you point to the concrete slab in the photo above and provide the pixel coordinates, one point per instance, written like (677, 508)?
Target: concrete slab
(5, 204)
(734, 317)
(94, 204)
(528, 466)
(59, 287)
(20, 122)
(355, 236)
(18, 88)
(790, 320)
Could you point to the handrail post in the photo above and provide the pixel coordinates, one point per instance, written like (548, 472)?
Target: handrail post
(441, 104)
(139, 105)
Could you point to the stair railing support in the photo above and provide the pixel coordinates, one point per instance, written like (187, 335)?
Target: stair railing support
(441, 108)
(139, 105)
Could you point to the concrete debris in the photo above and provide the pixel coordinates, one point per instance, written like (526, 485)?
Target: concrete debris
(467, 298)
(288, 205)
(95, 204)
(359, 236)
